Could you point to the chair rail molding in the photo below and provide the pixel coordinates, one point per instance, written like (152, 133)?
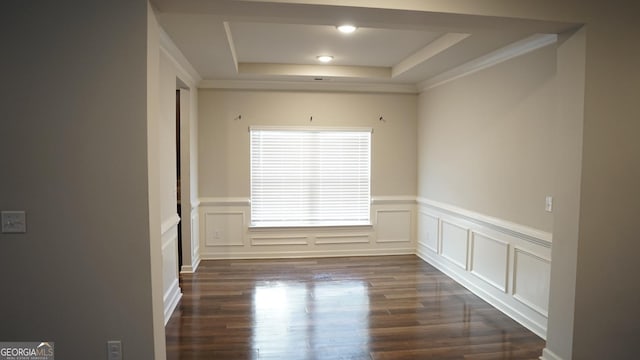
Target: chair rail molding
(530, 234)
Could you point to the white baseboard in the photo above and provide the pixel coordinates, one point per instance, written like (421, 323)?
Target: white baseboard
(190, 269)
(549, 355)
(308, 254)
(171, 300)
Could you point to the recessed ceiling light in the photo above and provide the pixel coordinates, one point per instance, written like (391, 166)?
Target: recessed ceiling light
(346, 29)
(324, 58)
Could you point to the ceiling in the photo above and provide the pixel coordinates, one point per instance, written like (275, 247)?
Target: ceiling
(240, 40)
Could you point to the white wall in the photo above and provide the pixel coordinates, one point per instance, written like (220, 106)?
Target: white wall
(224, 171)
(74, 140)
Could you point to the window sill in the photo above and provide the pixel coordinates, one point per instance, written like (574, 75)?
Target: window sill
(307, 226)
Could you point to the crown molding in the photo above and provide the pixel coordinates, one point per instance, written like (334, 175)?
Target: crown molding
(432, 49)
(325, 86)
(511, 51)
(186, 71)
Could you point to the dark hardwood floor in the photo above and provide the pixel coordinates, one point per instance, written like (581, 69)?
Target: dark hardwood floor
(389, 307)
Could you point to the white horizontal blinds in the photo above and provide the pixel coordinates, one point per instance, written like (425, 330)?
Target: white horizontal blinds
(310, 177)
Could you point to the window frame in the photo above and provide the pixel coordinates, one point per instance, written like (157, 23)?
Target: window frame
(367, 223)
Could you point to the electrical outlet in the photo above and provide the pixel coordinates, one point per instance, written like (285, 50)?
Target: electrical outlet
(14, 222)
(114, 350)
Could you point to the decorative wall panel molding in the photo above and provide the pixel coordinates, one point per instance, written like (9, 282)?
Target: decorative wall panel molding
(224, 228)
(225, 232)
(490, 260)
(171, 299)
(342, 239)
(171, 288)
(455, 243)
(531, 280)
(169, 224)
(195, 245)
(279, 240)
(506, 268)
(393, 225)
(429, 232)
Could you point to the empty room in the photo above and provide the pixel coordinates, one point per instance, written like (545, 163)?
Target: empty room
(265, 179)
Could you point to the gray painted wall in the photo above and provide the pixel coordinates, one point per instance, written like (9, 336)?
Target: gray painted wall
(74, 156)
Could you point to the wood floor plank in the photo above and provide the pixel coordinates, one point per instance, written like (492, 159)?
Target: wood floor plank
(391, 307)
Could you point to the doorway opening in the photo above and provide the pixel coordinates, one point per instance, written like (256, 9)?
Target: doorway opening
(178, 179)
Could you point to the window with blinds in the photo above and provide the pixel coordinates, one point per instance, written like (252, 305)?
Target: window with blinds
(311, 177)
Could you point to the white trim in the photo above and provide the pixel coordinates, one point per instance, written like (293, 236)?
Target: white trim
(240, 201)
(232, 45)
(472, 249)
(310, 128)
(341, 239)
(392, 200)
(276, 240)
(549, 355)
(514, 289)
(432, 49)
(465, 265)
(325, 86)
(309, 253)
(536, 236)
(224, 201)
(186, 71)
(169, 224)
(511, 51)
(190, 269)
(171, 299)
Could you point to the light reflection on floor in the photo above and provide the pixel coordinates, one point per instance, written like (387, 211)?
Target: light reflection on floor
(329, 318)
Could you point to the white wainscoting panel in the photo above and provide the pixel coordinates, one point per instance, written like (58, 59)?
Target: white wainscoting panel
(274, 240)
(171, 288)
(506, 264)
(195, 244)
(531, 280)
(334, 239)
(224, 228)
(225, 232)
(393, 225)
(428, 230)
(490, 260)
(455, 243)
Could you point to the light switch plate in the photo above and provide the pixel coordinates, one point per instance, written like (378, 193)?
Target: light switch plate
(13, 222)
(548, 203)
